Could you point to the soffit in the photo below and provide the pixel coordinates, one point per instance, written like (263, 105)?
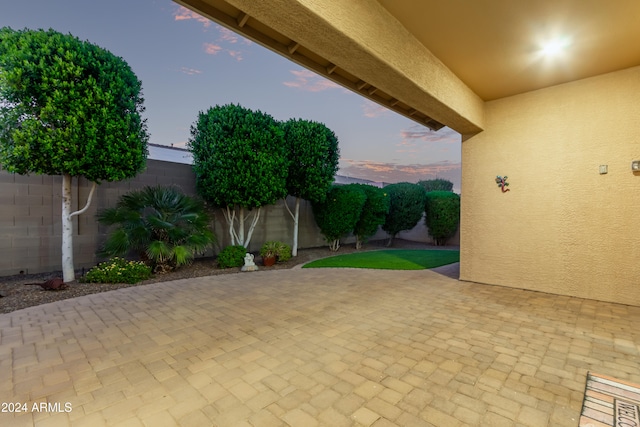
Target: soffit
(224, 13)
(493, 46)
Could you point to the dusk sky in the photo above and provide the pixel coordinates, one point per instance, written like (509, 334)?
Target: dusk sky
(187, 64)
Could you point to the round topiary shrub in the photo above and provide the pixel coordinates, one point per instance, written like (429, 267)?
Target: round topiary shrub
(373, 215)
(406, 207)
(118, 270)
(442, 209)
(339, 213)
(232, 256)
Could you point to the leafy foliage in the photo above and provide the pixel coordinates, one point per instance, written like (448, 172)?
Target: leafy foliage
(276, 249)
(240, 163)
(312, 149)
(284, 252)
(118, 270)
(436, 185)
(160, 223)
(68, 107)
(239, 157)
(232, 256)
(374, 211)
(442, 210)
(339, 213)
(406, 207)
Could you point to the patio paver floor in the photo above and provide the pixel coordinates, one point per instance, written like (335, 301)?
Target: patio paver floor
(325, 347)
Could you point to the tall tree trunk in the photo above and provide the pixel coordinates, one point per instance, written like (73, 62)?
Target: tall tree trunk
(390, 241)
(239, 238)
(296, 221)
(241, 228)
(296, 218)
(68, 274)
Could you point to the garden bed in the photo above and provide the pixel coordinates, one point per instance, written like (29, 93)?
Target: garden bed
(20, 296)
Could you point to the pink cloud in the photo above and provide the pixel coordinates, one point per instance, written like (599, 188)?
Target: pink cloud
(190, 71)
(184, 14)
(235, 54)
(228, 35)
(373, 110)
(212, 49)
(309, 81)
(392, 172)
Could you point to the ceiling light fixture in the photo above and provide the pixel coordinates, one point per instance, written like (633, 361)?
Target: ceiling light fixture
(555, 47)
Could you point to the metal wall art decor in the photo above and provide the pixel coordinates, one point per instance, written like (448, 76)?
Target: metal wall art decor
(502, 183)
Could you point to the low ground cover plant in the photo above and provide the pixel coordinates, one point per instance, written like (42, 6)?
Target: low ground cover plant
(118, 270)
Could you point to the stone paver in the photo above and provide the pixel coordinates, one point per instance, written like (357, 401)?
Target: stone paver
(326, 347)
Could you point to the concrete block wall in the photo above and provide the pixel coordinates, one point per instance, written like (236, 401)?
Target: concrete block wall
(30, 226)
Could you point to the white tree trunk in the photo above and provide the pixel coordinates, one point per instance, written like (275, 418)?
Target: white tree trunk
(296, 217)
(254, 221)
(241, 228)
(68, 274)
(238, 237)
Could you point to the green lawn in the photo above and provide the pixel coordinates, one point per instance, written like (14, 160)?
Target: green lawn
(390, 259)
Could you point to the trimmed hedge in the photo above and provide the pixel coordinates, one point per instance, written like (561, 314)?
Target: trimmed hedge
(339, 213)
(374, 212)
(442, 209)
(405, 209)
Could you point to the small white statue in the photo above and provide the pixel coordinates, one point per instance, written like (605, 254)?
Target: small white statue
(249, 265)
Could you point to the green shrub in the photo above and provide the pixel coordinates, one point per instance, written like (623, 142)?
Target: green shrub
(374, 211)
(275, 249)
(437, 184)
(442, 210)
(118, 270)
(284, 252)
(161, 224)
(339, 213)
(232, 256)
(406, 206)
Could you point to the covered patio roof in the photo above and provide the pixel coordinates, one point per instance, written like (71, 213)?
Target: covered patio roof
(436, 62)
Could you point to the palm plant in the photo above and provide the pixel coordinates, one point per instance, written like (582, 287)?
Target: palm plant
(166, 227)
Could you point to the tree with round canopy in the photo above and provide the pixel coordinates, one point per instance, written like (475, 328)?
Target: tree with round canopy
(69, 108)
(239, 158)
(313, 153)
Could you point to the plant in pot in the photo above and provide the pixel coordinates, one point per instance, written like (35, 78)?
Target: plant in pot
(268, 252)
(273, 251)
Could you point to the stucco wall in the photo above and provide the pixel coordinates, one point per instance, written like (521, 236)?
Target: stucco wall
(562, 228)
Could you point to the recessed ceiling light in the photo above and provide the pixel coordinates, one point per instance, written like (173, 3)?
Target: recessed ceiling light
(555, 47)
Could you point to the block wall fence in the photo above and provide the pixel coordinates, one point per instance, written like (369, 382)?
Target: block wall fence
(30, 226)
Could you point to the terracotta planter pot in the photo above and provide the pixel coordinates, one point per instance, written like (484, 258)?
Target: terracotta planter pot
(268, 261)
